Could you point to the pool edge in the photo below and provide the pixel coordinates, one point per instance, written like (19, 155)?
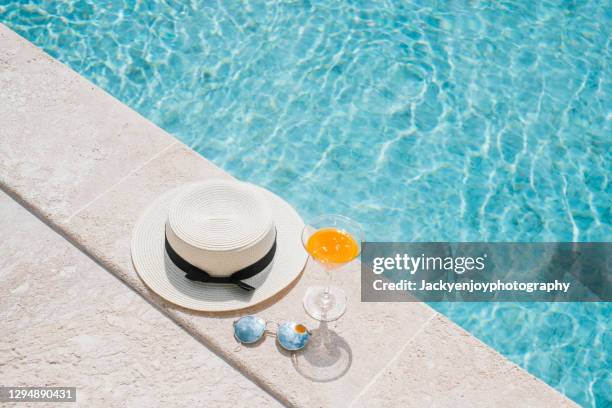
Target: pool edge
(76, 198)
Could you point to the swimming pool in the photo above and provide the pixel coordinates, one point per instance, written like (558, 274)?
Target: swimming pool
(458, 121)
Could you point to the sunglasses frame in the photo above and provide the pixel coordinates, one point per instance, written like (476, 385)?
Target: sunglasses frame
(269, 332)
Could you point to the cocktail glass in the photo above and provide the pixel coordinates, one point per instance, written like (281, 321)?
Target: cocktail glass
(332, 241)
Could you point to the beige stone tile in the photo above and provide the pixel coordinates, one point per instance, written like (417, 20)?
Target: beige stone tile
(63, 141)
(360, 344)
(68, 322)
(105, 226)
(104, 229)
(16, 233)
(444, 366)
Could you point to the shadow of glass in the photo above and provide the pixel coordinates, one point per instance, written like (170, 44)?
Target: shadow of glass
(326, 358)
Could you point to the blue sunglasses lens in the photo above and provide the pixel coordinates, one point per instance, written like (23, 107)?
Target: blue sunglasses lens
(249, 329)
(292, 336)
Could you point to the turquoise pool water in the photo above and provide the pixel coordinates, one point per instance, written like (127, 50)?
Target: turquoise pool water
(457, 121)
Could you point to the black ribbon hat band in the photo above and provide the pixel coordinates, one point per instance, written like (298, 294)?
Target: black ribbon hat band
(196, 274)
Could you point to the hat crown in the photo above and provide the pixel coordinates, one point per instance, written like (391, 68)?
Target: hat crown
(221, 226)
(220, 215)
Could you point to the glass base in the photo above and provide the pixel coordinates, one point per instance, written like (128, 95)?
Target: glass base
(322, 306)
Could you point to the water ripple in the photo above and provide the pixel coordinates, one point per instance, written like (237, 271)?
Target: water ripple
(467, 121)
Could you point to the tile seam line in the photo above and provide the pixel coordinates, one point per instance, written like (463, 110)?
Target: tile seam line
(121, 180)
(393, 360)
(62, 231)
(61, 227)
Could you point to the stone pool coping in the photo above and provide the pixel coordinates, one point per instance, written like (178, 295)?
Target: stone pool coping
(87, 165)
(122, 355)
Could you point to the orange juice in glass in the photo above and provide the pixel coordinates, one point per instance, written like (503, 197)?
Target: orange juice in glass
(331, 241)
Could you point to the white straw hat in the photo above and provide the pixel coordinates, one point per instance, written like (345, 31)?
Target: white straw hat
(218, 245)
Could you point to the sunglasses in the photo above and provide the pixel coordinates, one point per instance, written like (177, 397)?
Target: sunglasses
(290, 335)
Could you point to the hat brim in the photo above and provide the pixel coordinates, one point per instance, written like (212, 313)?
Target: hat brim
(164, 278)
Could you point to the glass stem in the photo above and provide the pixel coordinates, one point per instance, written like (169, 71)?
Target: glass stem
(326, 298)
